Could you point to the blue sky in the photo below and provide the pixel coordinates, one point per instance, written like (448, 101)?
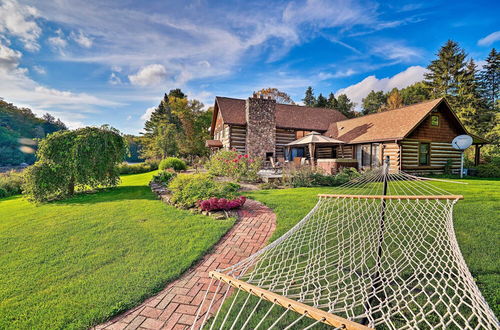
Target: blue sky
(92, 62)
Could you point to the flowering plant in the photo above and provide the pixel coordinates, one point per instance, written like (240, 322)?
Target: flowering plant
(214, 203)
(235, 165)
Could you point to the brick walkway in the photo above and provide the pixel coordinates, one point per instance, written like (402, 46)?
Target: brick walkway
(175, 307)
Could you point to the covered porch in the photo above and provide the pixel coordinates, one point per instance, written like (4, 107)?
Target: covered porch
(319, 151)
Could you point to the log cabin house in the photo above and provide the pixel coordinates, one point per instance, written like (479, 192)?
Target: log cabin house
(417, 137)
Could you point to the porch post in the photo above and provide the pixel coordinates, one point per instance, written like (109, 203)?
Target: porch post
(311, 154)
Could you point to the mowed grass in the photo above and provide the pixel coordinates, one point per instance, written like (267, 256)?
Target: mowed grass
(75, 263)
(476, 219)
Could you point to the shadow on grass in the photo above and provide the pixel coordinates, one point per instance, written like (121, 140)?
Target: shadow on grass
(110, 195)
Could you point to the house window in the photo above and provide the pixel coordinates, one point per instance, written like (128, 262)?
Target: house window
(423, 154)
(435, 120)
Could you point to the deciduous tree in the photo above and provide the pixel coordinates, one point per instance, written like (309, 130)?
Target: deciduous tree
(276, 94)
(80, 159)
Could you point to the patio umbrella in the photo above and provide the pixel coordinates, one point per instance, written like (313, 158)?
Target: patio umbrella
(311, 140)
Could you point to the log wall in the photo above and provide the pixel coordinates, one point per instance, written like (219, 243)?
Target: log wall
(283, 137)
(440, 153)
(238, 135)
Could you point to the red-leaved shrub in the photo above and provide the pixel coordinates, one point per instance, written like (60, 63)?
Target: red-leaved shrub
(215, 204)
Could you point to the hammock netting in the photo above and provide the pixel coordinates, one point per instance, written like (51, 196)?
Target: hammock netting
(381, 253)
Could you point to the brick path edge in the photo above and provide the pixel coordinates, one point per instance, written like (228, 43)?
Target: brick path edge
(176, 305)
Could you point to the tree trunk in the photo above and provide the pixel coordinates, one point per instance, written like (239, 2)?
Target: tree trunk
(71, 186)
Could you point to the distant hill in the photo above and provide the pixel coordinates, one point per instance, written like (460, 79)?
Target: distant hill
(18, 128)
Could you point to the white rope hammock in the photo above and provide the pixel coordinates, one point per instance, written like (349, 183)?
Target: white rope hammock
(381, 253)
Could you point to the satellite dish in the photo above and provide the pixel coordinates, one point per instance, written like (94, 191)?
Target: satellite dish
(461, 142)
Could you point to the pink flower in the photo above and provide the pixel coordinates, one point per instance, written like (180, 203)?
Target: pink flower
(246, 156)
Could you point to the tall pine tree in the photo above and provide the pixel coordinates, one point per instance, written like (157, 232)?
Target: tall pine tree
(309, 99)
(445, 72)
(345, 106)
(489, 80)
(321, 102)
(332, 101)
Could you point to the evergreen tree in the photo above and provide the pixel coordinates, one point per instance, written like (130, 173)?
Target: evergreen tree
(373, 102)
(321, 102)
(309, 99)
(416, 93)
(489, 79)
(470, 108)
(332, 101)
(444, 73)
(345, 106)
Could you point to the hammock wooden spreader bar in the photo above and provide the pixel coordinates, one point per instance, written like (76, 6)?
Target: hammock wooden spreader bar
(311, 312)
(412, 197)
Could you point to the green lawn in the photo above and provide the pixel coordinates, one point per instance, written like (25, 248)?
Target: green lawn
(477, 225)
(75, 263)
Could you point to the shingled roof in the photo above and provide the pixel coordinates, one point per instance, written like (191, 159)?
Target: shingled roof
(388, 125)
(287, 116)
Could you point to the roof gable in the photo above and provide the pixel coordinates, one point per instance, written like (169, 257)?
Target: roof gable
(384, 126)
(287, 116)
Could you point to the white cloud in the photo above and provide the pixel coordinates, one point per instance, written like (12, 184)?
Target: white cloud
(489, 39)
(82, 39)
(20, 21)
(116, 68)
(16, 86)
(114, 79)
(147, 115)
(152, 74)
(39, 69)
(395, 51)
(328, 13)
(403, 79)
(338, 74)
(58, 41)
(9, 58)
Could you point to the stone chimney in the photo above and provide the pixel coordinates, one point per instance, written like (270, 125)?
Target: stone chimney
(261, 126)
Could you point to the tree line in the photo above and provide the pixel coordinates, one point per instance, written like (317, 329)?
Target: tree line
(19, 127)
(473, 94)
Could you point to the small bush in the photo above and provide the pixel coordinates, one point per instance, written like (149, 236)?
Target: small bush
(187, 189)
(216, 204)
(490, 170)
(10, 183)
(235, 165)
(164, 176)
(148, 166)
(305, 176)
(174, 163)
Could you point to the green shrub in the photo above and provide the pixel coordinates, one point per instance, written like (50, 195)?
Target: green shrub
(188, 189)
(125, 168)
(10, 183)
(173, 163)
(448, 166)
(234, 165)
(305, 176)
(490, 170)
(164, 176)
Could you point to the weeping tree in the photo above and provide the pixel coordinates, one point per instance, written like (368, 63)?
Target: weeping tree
(82, 159)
